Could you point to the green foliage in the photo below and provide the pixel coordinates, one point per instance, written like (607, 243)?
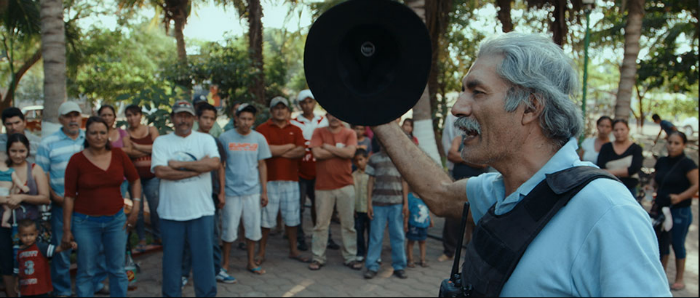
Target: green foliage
(159, 98)
(117, 62)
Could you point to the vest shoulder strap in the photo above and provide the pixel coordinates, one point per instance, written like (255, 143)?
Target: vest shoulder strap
(499, 241)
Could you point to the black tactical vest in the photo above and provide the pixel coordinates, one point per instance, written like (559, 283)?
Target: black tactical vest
(499, 241)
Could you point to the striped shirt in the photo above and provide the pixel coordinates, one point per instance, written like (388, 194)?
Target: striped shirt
(53, 155)
(388, 187)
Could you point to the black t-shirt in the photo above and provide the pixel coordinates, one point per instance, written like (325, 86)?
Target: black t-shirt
(673, 180)
(607, 154)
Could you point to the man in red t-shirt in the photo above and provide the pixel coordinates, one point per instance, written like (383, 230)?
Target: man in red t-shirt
(334, 147)
(287, 147)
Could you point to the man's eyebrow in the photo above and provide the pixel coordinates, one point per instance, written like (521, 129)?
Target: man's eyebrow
(473, 83)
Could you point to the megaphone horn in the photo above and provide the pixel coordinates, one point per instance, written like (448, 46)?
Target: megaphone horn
(367, 61)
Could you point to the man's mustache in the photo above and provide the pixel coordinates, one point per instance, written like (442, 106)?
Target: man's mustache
(467, 124)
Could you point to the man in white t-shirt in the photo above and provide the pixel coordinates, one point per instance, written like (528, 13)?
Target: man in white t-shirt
(183, 161)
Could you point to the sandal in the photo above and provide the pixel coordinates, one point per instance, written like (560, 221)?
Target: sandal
(423, 264)
(411, 265)
(300, 258)
(257, 270)
(677, 286)
(315, 265)
(354, 265)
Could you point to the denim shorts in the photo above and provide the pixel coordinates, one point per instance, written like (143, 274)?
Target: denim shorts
(416, 234)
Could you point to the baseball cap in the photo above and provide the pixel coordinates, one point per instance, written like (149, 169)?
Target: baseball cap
(304, 94)
(244, 107)
(277, 100)
(68, 107)
(183, 106)
(199, 98)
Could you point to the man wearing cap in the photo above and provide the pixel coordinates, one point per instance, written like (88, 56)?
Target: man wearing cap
(14, 122)
(216, 129)
(287, 147)
(308, 122)
(52, 156)
(183, 161)
(333, 147)
(246, 185)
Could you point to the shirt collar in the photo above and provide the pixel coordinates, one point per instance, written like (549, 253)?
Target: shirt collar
(63, 135)
(303, 119)
(565, 158)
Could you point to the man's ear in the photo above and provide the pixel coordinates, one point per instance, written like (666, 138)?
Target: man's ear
(533, 110)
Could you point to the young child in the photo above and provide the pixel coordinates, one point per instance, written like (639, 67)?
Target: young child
(387, 202)
(416, 226)
(34, 274)
(9, 184)
(361, 219)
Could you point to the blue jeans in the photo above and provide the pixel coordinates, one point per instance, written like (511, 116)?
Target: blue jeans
(187, 255)
(392, 215)
(174, 234)
(150, 191)
(361, 225)
(93, 233)
(682, 218)
(60, 263)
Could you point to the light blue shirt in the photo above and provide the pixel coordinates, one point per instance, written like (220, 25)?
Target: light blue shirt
(600, 244)
(53, 155)
(242, 156)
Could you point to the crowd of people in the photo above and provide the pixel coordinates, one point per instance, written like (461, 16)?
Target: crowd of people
(207, 188)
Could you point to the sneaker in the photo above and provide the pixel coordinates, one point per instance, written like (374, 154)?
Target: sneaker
(225, 278)
(369, 274)
(332, 245)
(184, 282)
(360, 259)
(379, 261)
(103, 289)
(400, 274)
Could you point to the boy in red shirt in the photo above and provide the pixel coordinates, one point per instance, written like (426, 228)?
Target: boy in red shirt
(32, 266)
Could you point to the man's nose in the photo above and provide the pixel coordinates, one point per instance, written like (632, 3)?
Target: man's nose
(462, 106)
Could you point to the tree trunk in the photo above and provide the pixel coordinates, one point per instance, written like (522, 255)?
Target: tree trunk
(558, 25)
(255, 40)
(8, 99)
(53, 49)
(628, 69)
(422, 117)
(504, 15)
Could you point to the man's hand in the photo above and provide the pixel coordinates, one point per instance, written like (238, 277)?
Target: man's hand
(263, 199)
(405, 226)
(222, 200)
(370, 212)
(174, 164)
(405, 210)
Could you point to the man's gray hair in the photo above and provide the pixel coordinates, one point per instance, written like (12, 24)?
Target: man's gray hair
(534, 65)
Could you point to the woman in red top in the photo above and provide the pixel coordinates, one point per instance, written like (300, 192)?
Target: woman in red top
(94, 205)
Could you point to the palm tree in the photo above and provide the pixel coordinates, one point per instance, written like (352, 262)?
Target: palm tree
(558, 24)
(20, 23)
(504, 14)
(175, 11)
(53, 48)
(422, 115)
(628, 69)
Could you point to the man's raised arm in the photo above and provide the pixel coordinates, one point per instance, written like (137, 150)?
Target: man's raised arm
(443, 196)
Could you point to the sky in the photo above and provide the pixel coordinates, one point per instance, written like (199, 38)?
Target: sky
(209, 22)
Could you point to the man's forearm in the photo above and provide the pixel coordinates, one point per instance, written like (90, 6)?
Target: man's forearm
(203, 165)
(347, 152)
(321, 154)
(427, 179)
(279, 150)
(168, 173)
(297, 152)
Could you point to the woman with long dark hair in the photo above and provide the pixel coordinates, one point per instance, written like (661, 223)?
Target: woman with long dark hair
(676, 181)
(27, 203)
(93, 208)
(590, 147)
(622, 158)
